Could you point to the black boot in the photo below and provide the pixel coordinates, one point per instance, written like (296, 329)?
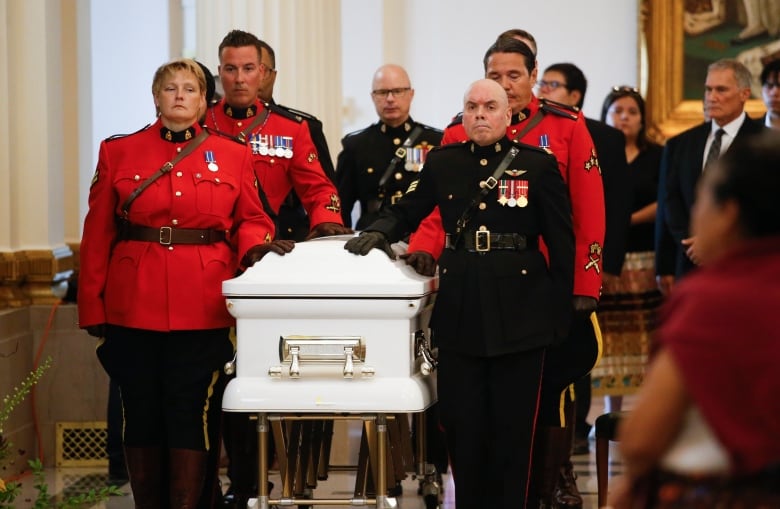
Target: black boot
(566, 495)
(549, 450)
(187, 475)
(145, 466)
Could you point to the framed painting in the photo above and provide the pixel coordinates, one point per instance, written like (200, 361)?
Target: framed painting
(681, 37)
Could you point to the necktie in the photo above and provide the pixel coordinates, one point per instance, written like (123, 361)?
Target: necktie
(714, 152)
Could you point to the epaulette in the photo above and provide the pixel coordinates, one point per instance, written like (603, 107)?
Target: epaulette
(359, 131)
(457, 119)
(560, 109)
(120, 136)
(429, 128)
(286, 112)
(215, 132)
(298, 113)
(543, 150)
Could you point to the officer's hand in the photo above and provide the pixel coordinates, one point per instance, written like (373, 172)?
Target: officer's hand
(328, 229)
(256, 253)
(584, 306)
(422, 262)
(367, 241)
(98, 331)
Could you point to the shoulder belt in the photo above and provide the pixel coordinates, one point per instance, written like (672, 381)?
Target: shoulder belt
(526, 146)
(259, 119)
(562, 110)
(166, 168)
(400, 154)
(119, 136)
(229, 136)
(490, 184)
(296, 116)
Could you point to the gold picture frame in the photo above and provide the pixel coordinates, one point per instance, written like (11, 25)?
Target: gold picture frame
(667, 114)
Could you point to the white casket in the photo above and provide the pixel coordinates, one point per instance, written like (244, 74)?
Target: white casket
(321, 330)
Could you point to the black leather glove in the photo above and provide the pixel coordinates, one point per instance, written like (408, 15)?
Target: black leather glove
(367, 241)
(98, 331)
(583, 306)
(256, 253)
(421, 261)
(328, 229)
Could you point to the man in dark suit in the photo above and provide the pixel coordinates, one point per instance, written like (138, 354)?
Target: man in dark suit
(686, 156)
(565, 83)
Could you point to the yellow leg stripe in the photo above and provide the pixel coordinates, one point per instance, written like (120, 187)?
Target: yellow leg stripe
(599, 340)
(209, 393)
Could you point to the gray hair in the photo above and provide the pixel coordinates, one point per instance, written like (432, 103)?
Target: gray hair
(741, 73)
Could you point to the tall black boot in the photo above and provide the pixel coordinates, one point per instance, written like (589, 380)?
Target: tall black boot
(187, 474)
(145, 466)
(567, 496)
(549, 451)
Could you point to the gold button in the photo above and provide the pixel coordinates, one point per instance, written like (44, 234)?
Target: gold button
(175, 222)
(137, 178)
(449, 196)
(170, 248)
(179, 174)
(370, 170)
(396, 141)
(444, 271)
(483, 228)
(239, 124)
(178, 193)
(524, 272)
(398, 176)
(482, 206)
(272, 160)
(198, 175)
(216, 180)
(178, 149)
(483, 162)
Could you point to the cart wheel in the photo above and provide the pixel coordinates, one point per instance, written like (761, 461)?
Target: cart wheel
(431, 501)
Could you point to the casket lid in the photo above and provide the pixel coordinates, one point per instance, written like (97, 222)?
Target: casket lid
(323, 268)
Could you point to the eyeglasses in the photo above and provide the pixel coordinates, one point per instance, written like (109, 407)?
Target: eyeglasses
(384, 92)
(552, 85)
(769, 85)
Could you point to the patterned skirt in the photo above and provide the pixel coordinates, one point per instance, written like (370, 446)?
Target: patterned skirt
(627, 317)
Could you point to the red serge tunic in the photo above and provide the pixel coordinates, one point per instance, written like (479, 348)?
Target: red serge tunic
(284, 157)
(564, 132)
(148, 285)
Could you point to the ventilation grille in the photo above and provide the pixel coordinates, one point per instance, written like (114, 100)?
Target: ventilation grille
(81, 444)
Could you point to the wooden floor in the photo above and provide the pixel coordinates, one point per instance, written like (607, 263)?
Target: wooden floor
(64, 481)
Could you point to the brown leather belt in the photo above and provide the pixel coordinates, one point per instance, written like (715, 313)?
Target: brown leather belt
(167, 235)
(483, 241)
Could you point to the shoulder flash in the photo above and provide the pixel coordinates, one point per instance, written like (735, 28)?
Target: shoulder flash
(526, 146)
(215, 132)
(560, 109)
(285, 112)
(119, 136)
(457, 119)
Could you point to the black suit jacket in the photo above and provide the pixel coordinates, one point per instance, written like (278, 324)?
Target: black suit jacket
(611, 150)
(501, 301)
(681, 168)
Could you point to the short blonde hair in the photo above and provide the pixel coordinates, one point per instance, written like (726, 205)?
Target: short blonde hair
(182, 64)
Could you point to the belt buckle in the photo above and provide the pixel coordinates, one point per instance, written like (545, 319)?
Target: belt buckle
(166, 235)
(482, 241)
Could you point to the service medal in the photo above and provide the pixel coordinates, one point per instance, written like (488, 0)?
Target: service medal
(503, 198)
(522, 199)
(288, 142)
(211, 162)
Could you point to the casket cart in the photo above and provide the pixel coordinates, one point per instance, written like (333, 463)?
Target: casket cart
(323, 334)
